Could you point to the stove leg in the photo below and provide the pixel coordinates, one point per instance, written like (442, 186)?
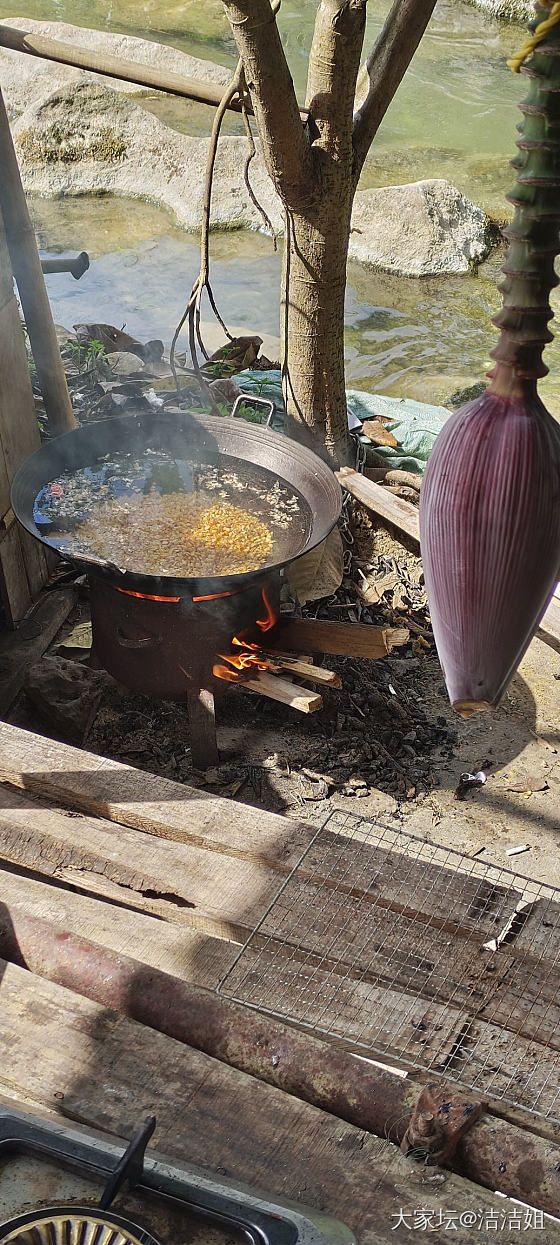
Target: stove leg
(202, 721)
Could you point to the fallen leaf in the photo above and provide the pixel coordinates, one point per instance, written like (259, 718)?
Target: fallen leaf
(373, 589)
(528, 785)
(374, 429)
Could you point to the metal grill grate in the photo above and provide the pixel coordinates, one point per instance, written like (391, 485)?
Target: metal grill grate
(418, 954)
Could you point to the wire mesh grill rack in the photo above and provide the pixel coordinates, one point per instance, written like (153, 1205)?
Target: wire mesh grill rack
(415, 954)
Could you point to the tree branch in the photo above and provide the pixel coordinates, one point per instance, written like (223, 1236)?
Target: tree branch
(286, 147)
(334, 62)
(386, 66)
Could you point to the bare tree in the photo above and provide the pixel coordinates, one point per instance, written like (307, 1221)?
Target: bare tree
(315, 167)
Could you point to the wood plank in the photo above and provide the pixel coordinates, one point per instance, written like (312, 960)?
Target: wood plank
(527, 1003)
(105, 788)
(400, 513)
(228, 897)
(110, 1070)
(178, 881)
(20, 649)
(364, 942)
(186, 953)
(302, 666)
(339, 639)
(538, 939)
(143, 801)
(14, 583)
(172, 811)
(510, 1067)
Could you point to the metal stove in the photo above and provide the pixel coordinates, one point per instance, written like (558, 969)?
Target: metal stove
(61, 1185)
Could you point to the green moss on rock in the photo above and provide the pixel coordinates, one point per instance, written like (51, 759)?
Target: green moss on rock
(58, 144)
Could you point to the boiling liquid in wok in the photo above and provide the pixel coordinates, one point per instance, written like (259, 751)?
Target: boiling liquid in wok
(156, 515)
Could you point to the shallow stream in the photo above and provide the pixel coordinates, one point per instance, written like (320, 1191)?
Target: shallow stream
(454, 116)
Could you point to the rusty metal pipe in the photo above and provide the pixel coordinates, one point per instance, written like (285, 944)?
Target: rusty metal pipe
(493, 1153)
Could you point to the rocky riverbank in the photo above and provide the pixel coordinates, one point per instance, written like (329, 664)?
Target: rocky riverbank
(76, 133)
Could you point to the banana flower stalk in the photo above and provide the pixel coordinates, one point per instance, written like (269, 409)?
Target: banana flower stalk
(490, 501)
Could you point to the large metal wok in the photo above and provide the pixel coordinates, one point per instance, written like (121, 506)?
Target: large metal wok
(204, 439)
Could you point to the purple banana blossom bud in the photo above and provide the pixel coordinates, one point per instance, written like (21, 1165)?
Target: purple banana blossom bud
(490, 504)
(490, 534)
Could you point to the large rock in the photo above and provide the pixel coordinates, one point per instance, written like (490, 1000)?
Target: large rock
(507, 10)
(28, 79)
(423, 229)
(66, 694)
(88, 139)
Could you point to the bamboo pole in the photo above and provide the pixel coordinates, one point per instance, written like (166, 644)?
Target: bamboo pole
(26, 267)
(114, 67)
(119, 67)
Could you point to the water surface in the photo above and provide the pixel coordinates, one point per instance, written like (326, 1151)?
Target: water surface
(454, 116)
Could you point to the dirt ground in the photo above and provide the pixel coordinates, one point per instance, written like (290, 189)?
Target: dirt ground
(386, 745)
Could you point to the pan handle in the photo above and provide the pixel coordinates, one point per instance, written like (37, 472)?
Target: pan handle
(251, 398)
(144, 641)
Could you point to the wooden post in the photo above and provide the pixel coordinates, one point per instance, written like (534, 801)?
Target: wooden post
(26, 267)
(23, 568)
(202, 722)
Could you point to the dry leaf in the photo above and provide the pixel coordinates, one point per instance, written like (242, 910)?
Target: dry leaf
(319, 573)
(373, 590)
(400, 599)
(526, 786)
(373, 428)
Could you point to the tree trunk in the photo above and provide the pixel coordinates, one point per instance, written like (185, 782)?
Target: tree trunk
(315, 169)
(313, 287)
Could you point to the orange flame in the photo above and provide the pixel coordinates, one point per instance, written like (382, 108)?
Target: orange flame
(127, 592)
(251, 658)
(265, 624)
(215, 596)
(248, 660)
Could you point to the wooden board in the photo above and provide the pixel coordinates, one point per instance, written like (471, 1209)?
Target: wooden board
(221, 895)
(549, 629)
(368, 943)
(339, 639)
(527, 1003)
(93, 784)
(539, 936)
(126, 866)
(178, 881)
(407, 877)
(377, 1018)
(400, 513)
(107, 1072)
(138, 800)
(187, 953)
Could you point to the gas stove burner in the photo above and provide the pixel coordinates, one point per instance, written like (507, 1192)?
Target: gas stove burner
(241, 1213)
(73, 1225)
